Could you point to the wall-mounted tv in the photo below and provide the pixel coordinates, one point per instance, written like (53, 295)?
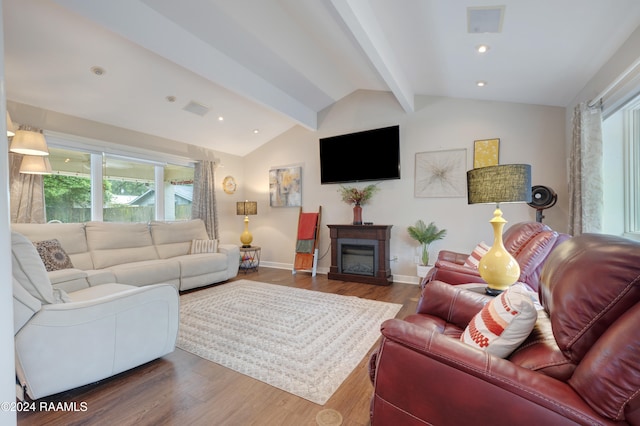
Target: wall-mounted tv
(362, 156)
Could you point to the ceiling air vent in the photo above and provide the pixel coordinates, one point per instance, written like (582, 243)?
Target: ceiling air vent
(485, 19)
(196, 108)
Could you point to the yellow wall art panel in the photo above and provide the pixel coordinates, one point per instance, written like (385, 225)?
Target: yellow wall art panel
(486, 153)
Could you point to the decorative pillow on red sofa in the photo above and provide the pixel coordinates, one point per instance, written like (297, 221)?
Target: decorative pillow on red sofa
(474, 258)
(503, 324)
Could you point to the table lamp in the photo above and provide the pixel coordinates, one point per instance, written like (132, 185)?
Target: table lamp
(508, 183)
(246, 208)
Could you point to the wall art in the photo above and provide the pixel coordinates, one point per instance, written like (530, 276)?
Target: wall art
(285, 187)
(441, 173)
(486, 152)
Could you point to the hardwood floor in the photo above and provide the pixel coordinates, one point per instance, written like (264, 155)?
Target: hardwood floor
(184, 389)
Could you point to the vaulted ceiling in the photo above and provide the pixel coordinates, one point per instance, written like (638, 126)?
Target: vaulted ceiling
(230, 75)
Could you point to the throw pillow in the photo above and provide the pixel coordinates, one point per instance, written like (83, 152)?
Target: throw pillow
(203, 246)
(53, 255)
(503, 324)
(474, 258)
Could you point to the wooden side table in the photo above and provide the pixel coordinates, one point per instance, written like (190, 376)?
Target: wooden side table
(249, 258)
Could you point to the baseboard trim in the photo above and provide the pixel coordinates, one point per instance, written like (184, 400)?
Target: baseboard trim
(404, 279)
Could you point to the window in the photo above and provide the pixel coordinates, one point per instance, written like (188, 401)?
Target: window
(178, 192)
(621, 156)
(123, 189)
(67, 192)
(129, 190)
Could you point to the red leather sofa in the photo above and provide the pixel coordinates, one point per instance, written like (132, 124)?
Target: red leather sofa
(580, 365)
(528, 242)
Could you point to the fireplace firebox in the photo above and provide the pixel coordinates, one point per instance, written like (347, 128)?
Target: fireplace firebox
(360, 253)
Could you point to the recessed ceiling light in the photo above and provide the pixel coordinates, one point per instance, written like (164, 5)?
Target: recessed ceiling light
(256, 131)
(220, 118)
(483, 48)
(99, 71)
(481, 83)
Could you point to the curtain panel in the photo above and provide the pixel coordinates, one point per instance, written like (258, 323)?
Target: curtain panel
(204, 197)
(26, 194)
(586, 203)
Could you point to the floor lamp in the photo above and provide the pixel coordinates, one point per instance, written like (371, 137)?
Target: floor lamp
(508, 183)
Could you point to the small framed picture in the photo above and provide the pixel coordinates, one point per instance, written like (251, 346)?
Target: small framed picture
(486, 152)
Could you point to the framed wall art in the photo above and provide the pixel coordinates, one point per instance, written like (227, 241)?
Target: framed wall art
(285, 187)
(441, 173)
(486, 152)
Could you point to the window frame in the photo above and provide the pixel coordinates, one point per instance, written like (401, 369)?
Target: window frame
(99, 151)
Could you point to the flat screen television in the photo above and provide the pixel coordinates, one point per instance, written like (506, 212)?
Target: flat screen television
(362, 156)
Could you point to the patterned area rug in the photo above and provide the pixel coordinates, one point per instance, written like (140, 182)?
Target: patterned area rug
(301, 341)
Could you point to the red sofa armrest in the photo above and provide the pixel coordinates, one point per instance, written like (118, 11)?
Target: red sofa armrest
(452, 256)
(450, 303)
(453, 273)
(422, 374)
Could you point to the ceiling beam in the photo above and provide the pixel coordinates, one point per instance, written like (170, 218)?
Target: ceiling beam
(167, 39)
(361, 20)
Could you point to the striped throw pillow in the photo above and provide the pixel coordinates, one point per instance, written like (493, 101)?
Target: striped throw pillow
(474, 258)
(503, 324)
(203, 246)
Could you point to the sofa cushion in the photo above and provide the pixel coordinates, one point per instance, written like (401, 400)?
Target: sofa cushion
(601, 289)
(69, 279)
(174, 238)
(71, 236)
(474, 258)
(503, 323)
(540, 352)
(607, 376)
(117, 243)
(148, 272)
(29, 271)
(53, 255)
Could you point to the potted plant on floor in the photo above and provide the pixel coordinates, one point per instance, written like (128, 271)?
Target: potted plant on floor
(425, 235)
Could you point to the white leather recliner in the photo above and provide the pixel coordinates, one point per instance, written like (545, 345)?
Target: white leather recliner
(63, 341)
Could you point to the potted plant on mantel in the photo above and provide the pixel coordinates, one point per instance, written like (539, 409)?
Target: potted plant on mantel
(357, 197)
(425, 235)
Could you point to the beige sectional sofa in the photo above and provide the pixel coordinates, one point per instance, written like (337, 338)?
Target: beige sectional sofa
(137, 254)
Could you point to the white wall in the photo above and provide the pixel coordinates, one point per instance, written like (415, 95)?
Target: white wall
(528, 134)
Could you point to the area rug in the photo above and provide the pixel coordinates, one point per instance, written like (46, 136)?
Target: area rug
(301, 341)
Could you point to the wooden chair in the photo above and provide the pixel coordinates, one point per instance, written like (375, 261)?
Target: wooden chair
(306, 257)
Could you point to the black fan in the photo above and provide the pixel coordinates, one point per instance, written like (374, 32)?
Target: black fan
(542, 197)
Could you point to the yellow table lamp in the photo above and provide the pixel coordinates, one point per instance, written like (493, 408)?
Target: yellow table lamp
(508, 183)
(246, 208)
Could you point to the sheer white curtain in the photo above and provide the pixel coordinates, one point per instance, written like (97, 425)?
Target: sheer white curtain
(204, 197)
(26, 194)
(585, 171)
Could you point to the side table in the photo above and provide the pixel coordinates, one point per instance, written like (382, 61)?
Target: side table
(249, 258)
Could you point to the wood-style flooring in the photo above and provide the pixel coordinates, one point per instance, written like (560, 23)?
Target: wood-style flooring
(184, 389)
